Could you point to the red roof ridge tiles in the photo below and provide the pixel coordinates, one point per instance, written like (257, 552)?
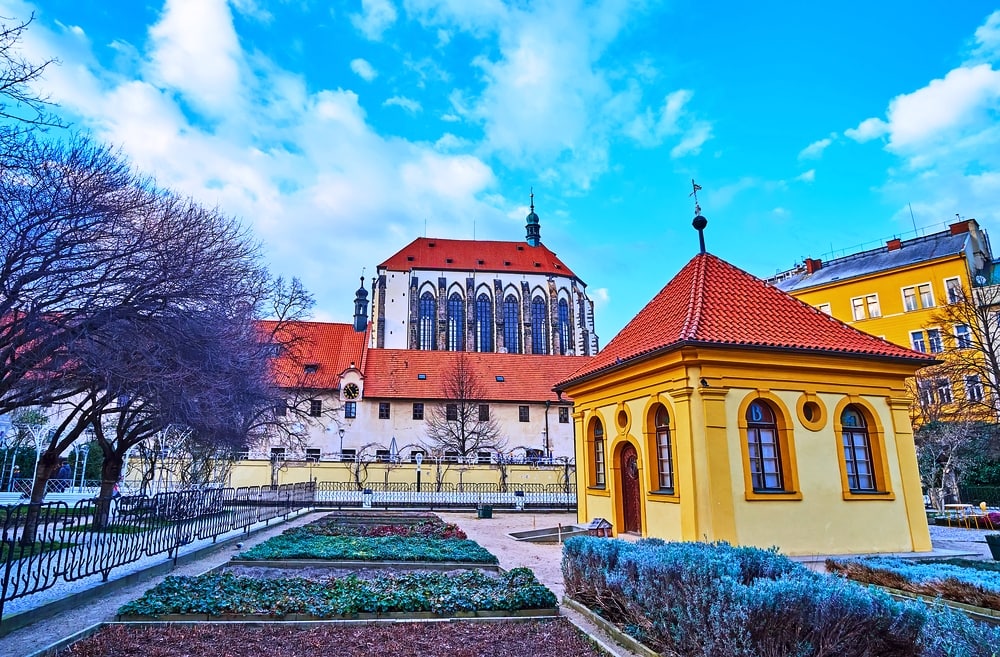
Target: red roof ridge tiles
(727, 306)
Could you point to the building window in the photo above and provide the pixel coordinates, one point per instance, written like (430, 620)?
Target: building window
(954, 289)
(597, 434)
(281, 408)
(934, 341)
(277, 453)
(456, 323)
(451, 412)
(857, 451)
(418, 411)
(451, 456)
(909, 298)
(539, 326)
(917, 340)
(382, 455)
(563, 415)
(925, 390)
(427, 335)
(522, 413)
(349, 455)
(484, 412)
(664, 450)
(926, 296)
(943, 388)
(824, 308)
(484, 458)
(865, 307)
(973, 388)
(511, 325)
(763, 448)
(383, 410)
(484, 323)
(564, 332)
(963, 336)
(350, 410)
(313, 454)
(315, 407)
(413, 455)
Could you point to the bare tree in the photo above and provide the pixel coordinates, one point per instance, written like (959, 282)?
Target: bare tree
(944, 450)
(461, 424)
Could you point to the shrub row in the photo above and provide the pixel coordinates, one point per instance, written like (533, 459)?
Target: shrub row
(435, 528)
(296, 545)
(716, 600)
(972, 586)
(218, 594)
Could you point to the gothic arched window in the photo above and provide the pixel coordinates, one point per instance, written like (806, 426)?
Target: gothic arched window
(484, 323)
(563, 327)
(427, 335)
(512, 324)
(456, 322)
(539, 326)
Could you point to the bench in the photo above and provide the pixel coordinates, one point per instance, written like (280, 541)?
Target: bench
(10, 499)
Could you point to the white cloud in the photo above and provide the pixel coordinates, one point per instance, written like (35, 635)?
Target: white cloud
(600, 296)
(815, 150)
(194, 50)
(692, 141)
(807, 176)
(375, 18)
(867, 130)
(363, 69)
(407, 104)
(988, 37)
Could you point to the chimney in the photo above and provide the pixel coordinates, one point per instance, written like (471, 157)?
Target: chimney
(894, 244)
(959, 227)
(813, 265)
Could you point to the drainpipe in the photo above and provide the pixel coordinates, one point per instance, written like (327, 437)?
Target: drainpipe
(548, 439)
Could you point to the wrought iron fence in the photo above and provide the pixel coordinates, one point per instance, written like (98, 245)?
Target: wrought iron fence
(445, 495)
(54, 541)
(977, 494)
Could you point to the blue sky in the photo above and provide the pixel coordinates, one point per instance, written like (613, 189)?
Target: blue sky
(340, 131)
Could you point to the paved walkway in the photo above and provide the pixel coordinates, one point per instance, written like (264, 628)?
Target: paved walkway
(543, 559)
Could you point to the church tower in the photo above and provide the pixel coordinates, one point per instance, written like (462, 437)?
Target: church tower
(361, 308)
(534, 236)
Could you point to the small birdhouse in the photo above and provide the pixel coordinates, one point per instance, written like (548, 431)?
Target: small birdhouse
(599, 527)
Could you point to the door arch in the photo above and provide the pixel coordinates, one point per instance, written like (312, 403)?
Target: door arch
(631, 494)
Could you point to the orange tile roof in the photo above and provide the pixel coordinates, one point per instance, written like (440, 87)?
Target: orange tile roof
(473, 255)
(392, 374)
(331, 347)
(711, 302)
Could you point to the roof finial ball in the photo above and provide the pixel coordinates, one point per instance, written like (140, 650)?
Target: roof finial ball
(699, 222)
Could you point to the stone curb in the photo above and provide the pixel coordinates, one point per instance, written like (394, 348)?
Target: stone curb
(611, 630)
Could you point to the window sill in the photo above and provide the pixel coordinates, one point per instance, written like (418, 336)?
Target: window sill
(853, 496)
(598, 490)
(768, 496)
(670, 497)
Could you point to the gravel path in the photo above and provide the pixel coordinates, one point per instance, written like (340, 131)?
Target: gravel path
(491, 533)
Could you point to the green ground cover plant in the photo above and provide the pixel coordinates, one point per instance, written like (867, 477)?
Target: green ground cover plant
(429, 528)
(711, 600)
(218, 594)
(38, 547)
(303, 545)
(978, 586)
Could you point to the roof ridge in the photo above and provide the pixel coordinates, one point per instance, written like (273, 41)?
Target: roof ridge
(696, 301)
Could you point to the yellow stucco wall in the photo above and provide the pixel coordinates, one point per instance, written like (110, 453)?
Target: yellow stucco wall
(712, 500)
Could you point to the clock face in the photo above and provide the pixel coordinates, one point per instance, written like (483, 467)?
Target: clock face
(351, 391)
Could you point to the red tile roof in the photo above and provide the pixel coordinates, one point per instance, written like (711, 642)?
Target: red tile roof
(473, 255)
(392, 374)
(331, 347)
(711, 302)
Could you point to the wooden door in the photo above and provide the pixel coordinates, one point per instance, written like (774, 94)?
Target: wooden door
(630, 494)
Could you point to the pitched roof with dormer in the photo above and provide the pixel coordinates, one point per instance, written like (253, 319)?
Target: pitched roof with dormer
(710, 302)
(317, 353)
(412, 374)
(477, 255)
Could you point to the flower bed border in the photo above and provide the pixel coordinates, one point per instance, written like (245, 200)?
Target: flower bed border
(389, 616)
(358, 564)
(983, 614)
(612, 630)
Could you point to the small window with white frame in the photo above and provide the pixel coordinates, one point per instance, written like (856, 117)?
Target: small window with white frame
(866, 307)
(934, 340)
(963, 336)
(954, 288)
(973, 388)
(926, 295)
(942, 387)
(917, 341)
(925, 390)
(824, 308)
(910, 299)
(858, 308)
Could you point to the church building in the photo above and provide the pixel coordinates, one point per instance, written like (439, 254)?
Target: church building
(727, 410)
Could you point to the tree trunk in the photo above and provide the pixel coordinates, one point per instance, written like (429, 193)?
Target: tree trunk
(110, 474)
(48, 463)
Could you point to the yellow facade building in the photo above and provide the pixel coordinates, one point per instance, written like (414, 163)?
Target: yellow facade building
(728, 410)
(897, 292)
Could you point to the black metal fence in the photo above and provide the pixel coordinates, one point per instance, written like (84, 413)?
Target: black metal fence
(46, 543)
(976, 494)
(446, 495)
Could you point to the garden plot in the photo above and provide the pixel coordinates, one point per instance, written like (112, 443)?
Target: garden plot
(538, 638)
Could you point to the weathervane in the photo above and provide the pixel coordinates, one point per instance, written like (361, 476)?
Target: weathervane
(699, 222)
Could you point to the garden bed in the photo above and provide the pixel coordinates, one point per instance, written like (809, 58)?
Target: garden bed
(384, 595)
(538, 638)
(326, 568)
(298, 544)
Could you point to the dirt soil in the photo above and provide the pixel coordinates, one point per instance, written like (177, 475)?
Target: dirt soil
(553, 638)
